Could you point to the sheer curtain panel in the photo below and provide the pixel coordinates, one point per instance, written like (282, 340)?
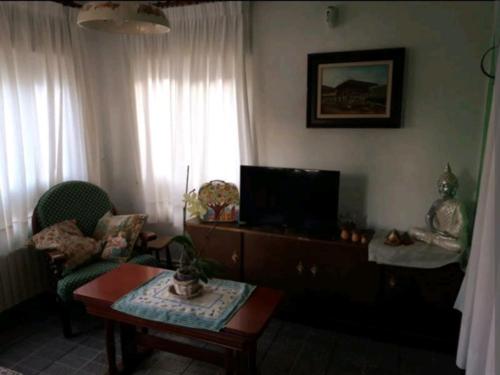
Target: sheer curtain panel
(41, 130)
(479, 295)
(191, 104)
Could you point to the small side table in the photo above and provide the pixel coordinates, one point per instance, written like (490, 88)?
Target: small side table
(162, 243)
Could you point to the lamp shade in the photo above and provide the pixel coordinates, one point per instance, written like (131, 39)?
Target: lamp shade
(123, 17)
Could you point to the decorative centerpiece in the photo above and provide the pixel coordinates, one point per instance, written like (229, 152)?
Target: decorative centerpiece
(221, 200)
(192, 269)
(216, 201)
(394, 238)
(349, 231)
(447, 219)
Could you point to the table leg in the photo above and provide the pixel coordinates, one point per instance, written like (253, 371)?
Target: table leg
(129, 347)
(229, 362)
(252, 358)
(168, 257)
(110, 347)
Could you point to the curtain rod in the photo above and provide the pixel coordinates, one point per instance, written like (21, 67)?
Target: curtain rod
(160, 4)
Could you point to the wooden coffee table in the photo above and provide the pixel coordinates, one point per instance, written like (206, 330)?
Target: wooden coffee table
(238, 338)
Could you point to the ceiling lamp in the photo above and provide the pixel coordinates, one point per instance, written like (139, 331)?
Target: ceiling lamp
(123, 17)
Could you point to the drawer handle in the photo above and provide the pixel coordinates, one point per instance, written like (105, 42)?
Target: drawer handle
(300, 267)
(235, 257)
(314, 270)
(392, 281)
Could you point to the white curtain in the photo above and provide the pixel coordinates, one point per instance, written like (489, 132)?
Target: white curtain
(191, 104)
(42, 140)
(479, 297)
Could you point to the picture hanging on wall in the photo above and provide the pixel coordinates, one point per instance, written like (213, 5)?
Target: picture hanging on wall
(355, 89)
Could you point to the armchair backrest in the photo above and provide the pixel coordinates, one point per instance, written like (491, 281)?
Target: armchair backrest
(79, 200)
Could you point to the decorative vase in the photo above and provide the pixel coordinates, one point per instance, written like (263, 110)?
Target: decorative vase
(186, 285)
(355, 237)
(345, 234)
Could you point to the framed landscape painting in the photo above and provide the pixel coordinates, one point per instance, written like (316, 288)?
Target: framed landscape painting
(355, 89)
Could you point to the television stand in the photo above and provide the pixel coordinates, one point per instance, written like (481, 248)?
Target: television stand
(330, 282)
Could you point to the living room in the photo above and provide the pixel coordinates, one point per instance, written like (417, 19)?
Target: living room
(214, 86)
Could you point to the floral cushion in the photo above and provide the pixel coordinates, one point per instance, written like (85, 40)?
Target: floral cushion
(50, 237)
(126, 226)
(115, 247)
(68, 239)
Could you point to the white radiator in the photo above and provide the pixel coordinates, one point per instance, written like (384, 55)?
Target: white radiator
(23, 274)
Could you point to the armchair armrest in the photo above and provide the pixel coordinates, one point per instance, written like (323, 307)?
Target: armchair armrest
(56, 262)
(144, 238)
(148, 236)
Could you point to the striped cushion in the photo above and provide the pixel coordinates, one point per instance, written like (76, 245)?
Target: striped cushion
(85, 274)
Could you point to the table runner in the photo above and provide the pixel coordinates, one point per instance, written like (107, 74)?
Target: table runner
(417, 255)
(211, 310)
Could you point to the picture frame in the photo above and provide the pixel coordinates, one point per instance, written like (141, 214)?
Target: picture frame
(355, 89)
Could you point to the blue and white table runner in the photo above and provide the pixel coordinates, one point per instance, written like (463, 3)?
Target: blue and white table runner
(211, 310)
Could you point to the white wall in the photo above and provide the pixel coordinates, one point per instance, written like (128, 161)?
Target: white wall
(389, 175)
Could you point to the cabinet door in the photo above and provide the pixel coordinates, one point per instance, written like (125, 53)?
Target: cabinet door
(221, 245)
(341, 270)
(274, 261)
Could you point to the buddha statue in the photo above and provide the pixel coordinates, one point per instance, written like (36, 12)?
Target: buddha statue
(447, 219)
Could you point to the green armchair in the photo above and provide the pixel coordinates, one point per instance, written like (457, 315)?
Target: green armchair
(86, 203)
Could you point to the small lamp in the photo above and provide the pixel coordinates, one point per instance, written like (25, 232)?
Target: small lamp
(123, 17)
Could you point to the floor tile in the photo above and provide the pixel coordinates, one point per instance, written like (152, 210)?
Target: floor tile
(284, 348)
(73, 360)
(25, 370)
(143, 371)
(173, 363)
(13, 355)
(157, 371)
(94, 368)
(445, 364)
(315, 353)
(201, 368)
(36, 362)
(61, 344)
(85, 352)
(58, 369)
(94, 343)
(49, 353)
(6, 363)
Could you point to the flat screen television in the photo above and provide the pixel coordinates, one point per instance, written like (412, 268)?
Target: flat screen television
(301, 200)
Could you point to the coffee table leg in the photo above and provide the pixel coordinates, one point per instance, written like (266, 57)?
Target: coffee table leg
(110, 347)
(229, 362)
(129, 347)
(252, 358)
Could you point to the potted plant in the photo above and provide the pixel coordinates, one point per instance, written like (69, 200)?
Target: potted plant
(192, 268)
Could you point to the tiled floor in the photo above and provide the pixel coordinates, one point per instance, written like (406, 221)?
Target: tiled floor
(37, 347)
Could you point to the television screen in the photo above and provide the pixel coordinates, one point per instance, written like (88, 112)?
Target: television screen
(303, 200)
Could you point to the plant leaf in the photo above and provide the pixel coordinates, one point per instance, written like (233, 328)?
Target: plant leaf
(183, 240)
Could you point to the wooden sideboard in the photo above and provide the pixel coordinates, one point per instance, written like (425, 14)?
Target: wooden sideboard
(331, 282)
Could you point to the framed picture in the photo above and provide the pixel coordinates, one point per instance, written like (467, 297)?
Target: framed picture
(355, 89)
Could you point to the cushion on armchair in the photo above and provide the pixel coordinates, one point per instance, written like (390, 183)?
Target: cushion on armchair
(112, 228)
(69, 240)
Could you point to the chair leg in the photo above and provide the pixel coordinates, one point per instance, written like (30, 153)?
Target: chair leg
(64, 312)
